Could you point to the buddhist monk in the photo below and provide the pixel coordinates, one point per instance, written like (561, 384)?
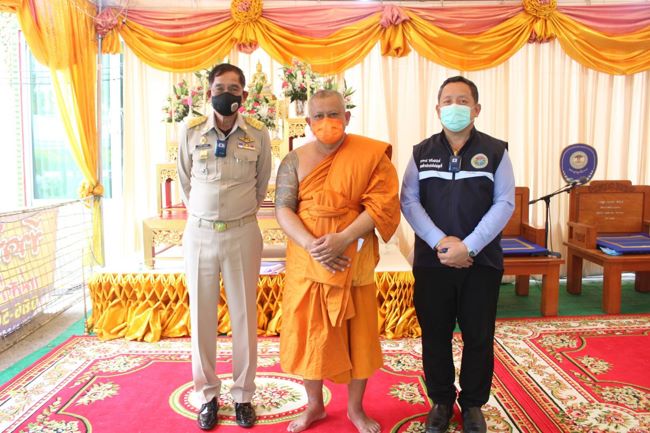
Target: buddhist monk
(331, 195)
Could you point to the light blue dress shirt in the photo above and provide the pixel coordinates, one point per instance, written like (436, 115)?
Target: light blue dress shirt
(487, 229)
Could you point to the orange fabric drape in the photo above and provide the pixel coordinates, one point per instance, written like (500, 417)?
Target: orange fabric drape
(338, 52)
(10, 6)
(621, 53)
(624, 54)
(187, 53)
(321, 307)
(61, 35)
(332, 195)
(487, 49)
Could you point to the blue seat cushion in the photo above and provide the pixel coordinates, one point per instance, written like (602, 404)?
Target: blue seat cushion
(631, 243)
(518, 246)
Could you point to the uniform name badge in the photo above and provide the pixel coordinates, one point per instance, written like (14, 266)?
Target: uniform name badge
(454, 163)
(203, 155)
(220, 150)
(203, 143)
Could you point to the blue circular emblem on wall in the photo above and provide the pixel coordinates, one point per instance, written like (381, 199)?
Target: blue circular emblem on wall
(578, 162)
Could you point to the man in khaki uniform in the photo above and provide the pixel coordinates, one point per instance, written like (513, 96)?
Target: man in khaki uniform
(224, 166)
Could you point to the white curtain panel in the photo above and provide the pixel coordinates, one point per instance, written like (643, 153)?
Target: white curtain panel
(144, 145)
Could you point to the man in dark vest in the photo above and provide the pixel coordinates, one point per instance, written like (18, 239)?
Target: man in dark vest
(458, 194)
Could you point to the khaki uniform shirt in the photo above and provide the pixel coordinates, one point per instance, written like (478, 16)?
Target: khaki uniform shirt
(223, 188)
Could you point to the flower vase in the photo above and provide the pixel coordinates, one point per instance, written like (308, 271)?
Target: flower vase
(300, 107)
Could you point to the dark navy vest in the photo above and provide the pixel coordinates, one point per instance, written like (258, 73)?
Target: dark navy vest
(457, 198)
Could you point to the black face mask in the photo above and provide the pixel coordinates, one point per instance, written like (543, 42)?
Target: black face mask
(226, 103)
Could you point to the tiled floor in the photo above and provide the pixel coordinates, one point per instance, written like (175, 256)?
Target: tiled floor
(38, 334)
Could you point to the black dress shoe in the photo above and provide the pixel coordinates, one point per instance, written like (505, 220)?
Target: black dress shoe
(438, 418)
(474, 421)
(207, 418)
(245, 413)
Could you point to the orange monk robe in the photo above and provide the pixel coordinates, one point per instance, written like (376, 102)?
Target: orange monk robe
(329, 321)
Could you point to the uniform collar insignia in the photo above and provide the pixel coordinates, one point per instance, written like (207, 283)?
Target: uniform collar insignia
(209, 125)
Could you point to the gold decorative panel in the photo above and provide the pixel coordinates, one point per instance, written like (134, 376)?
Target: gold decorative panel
(274, 237)
(167, 237)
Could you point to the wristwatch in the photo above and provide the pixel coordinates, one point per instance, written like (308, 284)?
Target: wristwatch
(471, 253)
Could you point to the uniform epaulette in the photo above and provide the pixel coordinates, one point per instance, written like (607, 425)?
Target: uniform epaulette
(195, 121)
(255, 123)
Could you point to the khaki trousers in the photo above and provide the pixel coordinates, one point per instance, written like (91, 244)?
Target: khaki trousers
(236, 254)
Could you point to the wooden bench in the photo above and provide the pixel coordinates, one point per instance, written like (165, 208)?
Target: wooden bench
(607, 208)
(525, 266)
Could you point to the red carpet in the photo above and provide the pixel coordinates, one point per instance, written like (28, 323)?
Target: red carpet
(566, 375)
(588, 374)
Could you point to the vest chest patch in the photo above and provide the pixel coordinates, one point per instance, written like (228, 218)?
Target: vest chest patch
(480, 160)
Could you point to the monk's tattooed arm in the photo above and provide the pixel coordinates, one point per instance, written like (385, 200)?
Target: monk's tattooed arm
(286, 183)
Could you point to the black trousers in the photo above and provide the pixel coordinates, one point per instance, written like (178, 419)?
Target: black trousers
(442, 296)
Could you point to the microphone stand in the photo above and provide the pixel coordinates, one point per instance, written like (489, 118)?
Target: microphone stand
(547, 201)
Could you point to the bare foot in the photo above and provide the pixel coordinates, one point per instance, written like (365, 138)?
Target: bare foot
(304, 421)
(363, 423)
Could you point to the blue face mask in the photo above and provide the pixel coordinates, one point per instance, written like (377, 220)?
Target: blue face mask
(455, 117)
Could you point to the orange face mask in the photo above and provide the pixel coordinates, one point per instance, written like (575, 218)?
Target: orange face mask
(328, 130)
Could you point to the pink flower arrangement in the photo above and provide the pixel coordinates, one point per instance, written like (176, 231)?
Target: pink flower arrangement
(262, 108)
(298, 81)
(185, 100)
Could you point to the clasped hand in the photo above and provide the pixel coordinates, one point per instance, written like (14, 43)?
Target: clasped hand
(453, 252)
(328, 251)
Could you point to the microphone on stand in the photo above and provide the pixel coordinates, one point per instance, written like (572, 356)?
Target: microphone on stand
(578, 182)
(574, 183)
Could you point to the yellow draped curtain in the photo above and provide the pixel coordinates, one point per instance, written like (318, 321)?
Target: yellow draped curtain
(613, 54)
(624, 54)
(61, 35)
(10, 6)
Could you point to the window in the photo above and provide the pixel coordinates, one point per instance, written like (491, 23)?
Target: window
(111, 125)
(53, 173)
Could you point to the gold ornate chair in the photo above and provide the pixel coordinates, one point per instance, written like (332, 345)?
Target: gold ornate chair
(164, 231)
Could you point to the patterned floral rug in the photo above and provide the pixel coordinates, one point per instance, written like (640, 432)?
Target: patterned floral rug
(565, 375)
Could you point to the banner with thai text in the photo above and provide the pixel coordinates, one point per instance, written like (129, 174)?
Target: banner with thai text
(27, 264)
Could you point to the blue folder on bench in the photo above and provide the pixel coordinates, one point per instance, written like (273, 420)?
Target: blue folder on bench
(518, 246)
(633, 243)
